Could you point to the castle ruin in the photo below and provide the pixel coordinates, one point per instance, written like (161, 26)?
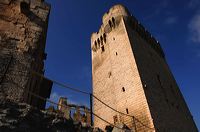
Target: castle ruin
(79, 113)
(23, 29)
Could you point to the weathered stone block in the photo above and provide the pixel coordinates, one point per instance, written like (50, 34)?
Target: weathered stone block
(23, 35)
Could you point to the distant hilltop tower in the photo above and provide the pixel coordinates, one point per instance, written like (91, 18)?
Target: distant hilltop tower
(131, 75)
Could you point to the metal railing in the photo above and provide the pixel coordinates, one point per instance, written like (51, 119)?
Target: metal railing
(133, 119)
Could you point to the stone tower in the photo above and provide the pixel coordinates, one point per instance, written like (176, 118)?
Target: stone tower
(23, 29)
(130, 74)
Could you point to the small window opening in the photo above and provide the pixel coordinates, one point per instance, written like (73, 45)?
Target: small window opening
(102, 49)
(101, 38)
(98, 41)
(127, 111)
(123, 89)
(110, 24)
(113, 38)
(109, 74)
(115, 119)
(24, 7)
(104, 38)
(113, 20)
(116, 53)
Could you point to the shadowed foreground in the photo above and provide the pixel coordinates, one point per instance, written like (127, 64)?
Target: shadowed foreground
(25, 118)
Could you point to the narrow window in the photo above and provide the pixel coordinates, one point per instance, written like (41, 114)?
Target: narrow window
(110, 24)
(101, 38)
(115, 119)
(24, 7)
(127, 111)
(102, 49)
(113, 38)
(116, 53)
(104, 38)
(98, 41)
(123, 89)
(113, 21)
(109, 74)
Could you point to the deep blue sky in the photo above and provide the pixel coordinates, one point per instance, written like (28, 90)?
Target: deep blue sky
(175, 23)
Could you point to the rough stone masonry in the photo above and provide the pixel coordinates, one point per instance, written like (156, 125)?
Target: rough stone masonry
(23, 29)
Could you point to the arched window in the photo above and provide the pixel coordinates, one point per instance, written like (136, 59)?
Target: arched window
(101, 38)
(113, 21)
(102, 49)
(110, 23)
(104, 38)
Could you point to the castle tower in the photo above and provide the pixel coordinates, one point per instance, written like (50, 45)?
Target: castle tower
(130, 74)
(23, 29)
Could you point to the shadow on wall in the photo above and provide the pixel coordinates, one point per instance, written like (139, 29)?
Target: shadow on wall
(25, 9)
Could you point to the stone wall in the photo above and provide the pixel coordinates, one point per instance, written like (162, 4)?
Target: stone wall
(20, 117)
(167, 106)
(23, 28)
(78, 113)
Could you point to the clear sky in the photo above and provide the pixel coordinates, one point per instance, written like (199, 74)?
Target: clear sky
(175, 23)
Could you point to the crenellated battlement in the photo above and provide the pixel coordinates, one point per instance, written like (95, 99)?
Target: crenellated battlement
(111, 20)
(115, 11)
(139, 28)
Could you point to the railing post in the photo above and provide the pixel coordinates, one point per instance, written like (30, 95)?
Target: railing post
(91, 103)
(134, 124)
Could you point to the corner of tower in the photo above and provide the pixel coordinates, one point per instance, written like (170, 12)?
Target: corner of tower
(93, 37)
(114, 14)
(114, 11)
